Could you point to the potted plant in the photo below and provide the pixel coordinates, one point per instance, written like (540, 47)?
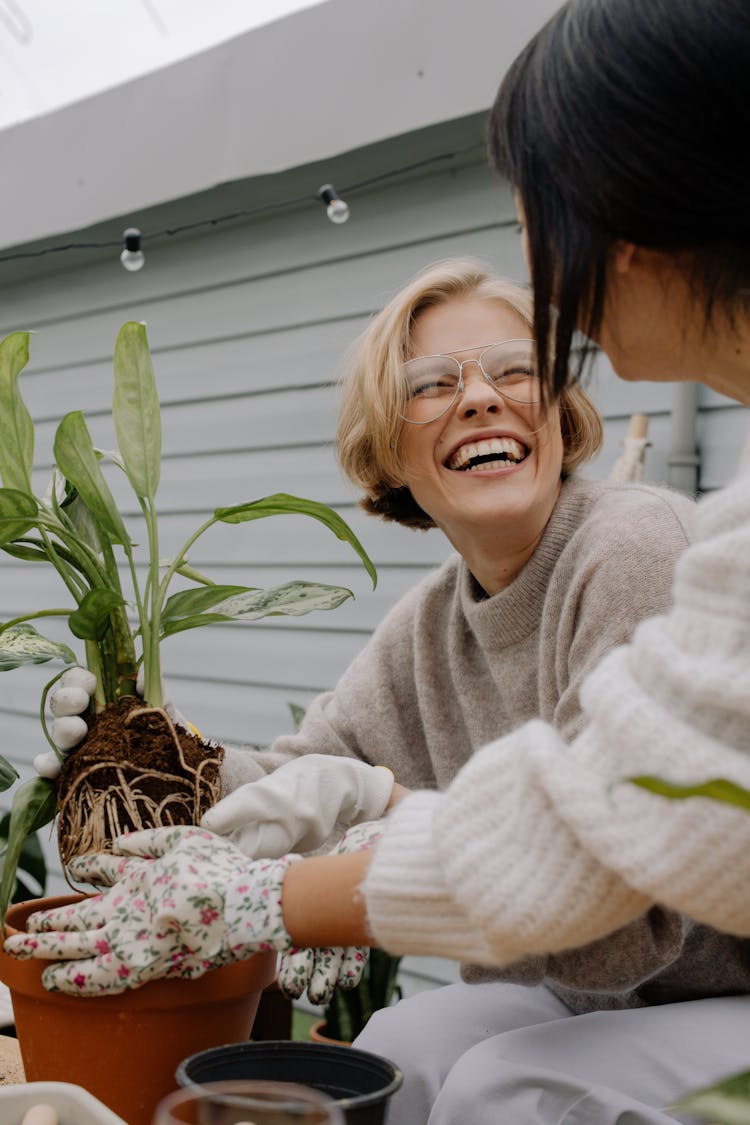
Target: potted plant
(134, 769)
(349, 1009)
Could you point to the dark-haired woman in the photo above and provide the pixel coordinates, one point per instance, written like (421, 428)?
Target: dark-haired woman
(622, 127)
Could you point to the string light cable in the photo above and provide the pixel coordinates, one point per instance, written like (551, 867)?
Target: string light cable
(337, 210)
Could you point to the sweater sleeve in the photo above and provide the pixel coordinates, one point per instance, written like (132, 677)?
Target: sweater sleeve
(624, 573)
(541, 847)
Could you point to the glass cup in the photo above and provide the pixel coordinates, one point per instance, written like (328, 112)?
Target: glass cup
(248, 1103)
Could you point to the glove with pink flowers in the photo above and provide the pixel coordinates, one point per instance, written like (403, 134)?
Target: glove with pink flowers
(180, 901)
(319, 971)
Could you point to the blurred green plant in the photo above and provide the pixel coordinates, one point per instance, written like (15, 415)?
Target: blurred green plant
(726, 1102)
(350, 1008)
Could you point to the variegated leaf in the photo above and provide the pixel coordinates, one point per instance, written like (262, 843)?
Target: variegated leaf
(22, 644)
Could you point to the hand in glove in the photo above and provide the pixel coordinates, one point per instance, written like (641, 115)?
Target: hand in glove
(69, 701)
(296, 807)
(321, 970)
(182, 901)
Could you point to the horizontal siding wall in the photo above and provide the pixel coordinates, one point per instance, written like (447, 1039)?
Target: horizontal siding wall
(248, 325)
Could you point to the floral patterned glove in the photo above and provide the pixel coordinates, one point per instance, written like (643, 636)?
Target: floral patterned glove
(319, 971)
(182, 901)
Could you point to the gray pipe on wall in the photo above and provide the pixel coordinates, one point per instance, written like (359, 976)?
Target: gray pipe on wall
(684, 458)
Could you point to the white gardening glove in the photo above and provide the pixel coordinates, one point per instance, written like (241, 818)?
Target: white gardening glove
(319, 971)
(181, 902)
(68, 702)
(296, 807)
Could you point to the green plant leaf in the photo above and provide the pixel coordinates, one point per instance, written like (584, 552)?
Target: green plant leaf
(187, 603)
(91, 620)
(8, 776)
(34, 805)
(297, 711)
(26, 552)
(22, 644)
(282, 504)
(293, 599)
(32, 866)
(194, 575)
(83, 521)
(135, 410)
(16, 426)
(727, 1101)
(77, 460)
(717, 789)
(18, 512)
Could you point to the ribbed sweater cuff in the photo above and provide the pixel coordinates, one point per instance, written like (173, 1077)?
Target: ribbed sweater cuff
(408, 907)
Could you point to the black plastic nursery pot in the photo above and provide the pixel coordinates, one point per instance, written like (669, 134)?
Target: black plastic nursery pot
(359, 1081)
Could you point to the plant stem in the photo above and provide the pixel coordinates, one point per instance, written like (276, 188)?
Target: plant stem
(180, 557)
(94, 664)
(32, 616)
(123, 648)
(152, 686)
(42, 717)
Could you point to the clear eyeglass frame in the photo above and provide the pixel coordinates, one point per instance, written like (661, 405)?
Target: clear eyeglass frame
(443, 404)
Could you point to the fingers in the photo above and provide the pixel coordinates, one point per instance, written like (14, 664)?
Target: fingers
(58, 945)
(155, 842)
(67, 732)
(68, 701)
(352, 966)
(325, 975)
(92, 977)
(295, 971)
(233, 811)
(87, 914)
(79, 678)
(360, 837)
(103, 869)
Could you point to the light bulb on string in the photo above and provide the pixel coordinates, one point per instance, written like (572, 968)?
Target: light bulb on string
(337, 209)
(132, 256)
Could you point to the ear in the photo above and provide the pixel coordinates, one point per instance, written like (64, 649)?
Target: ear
(622, 258)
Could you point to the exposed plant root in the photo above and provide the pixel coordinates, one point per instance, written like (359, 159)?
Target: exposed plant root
(101, 796)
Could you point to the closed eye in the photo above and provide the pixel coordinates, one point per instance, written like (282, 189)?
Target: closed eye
(426, 387)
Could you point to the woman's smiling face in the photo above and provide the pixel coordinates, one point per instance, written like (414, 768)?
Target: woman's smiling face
(511, 496)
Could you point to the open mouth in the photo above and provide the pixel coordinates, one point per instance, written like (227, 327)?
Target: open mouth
(492, 453)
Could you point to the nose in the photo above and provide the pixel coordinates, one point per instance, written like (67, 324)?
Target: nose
(478, 396)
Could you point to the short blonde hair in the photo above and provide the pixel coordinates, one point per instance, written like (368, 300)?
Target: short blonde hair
(370, 423)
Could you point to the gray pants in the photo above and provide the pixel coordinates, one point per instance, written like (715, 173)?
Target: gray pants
(502, 1054)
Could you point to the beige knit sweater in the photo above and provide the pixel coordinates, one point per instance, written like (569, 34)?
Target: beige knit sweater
(539, 846)
(449, 670)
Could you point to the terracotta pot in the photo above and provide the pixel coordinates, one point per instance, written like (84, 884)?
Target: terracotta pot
(125, 1049)
(318, 1035)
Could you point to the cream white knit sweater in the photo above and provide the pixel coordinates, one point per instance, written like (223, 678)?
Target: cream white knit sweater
(539, 846)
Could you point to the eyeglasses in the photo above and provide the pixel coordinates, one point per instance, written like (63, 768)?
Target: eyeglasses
(432, 383)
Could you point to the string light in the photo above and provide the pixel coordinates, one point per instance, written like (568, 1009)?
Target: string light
(337, 209)
(135, 254)
(132, 256)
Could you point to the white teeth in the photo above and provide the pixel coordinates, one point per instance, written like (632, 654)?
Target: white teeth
(463, 456)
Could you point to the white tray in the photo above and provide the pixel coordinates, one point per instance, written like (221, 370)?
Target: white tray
(74, 1105)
